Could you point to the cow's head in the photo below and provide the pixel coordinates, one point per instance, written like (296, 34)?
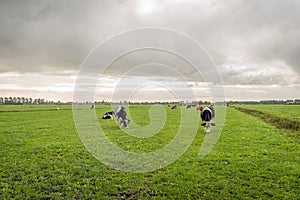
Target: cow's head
(207, 127)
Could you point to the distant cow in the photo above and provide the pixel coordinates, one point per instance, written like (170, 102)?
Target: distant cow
(189, 106)
(108, 115)
(120, 113)
(207, 116)
(174, 107)
(199, 107)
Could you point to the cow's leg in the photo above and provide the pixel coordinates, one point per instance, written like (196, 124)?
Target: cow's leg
(126, 123)
(120, 122)
(208, 127)
(205, 128)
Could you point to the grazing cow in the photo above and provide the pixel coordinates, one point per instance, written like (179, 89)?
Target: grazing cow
(121, 116)
(189, 106)
(207, 115)
(199, 107)
(174, 107)
(108, 115)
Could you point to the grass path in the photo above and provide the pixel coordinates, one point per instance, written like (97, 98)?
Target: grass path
(291, 112)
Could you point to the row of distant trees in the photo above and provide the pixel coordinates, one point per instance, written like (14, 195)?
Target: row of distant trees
(24, 100)
(151, 102)
(289, 101)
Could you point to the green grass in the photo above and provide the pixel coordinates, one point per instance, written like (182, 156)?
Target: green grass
(30, 108)
(42, 157)
(141, 117)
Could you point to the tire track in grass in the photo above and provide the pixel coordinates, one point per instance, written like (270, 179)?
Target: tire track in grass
(279, 122)
(39, 110)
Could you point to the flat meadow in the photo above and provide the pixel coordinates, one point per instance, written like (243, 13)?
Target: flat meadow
(42, 157)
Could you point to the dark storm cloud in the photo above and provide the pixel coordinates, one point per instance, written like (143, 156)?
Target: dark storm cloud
(269, 30)
(39, 36)
(251, 32)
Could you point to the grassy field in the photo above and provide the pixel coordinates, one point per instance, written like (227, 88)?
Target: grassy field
(42, 157)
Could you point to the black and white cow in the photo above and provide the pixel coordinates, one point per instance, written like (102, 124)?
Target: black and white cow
(92, 106)
(190, 106)
(108, 115)
(121, 115)
(207, 115)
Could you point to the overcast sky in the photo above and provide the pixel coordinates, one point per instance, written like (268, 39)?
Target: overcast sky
(254, 43)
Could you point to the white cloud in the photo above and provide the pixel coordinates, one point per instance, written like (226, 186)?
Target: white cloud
(270, 74)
